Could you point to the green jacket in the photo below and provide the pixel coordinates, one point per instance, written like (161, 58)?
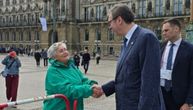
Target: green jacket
(67, 80)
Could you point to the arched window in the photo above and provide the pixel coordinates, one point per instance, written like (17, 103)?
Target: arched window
(13, 36)
(1, 37)
(86, 13)
(142, 8)
(37, 35)
(98, 34)
(7, 36)
(168, 5)
(159, 7)
(149, 7)
(28, 38)
(177, 7)
(29, 18)
(20, 36)
(110, 35)
(1, 20)
(104, 12)
(92, 13)
(86, 35)
(7, 2)
(187, 4)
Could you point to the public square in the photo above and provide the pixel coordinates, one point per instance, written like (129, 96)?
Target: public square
(31, 83)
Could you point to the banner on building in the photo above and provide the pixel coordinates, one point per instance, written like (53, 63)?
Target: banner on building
(43, 23)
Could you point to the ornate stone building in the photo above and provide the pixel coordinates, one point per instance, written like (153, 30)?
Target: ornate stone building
(19, 23)
(96, 36)
(82, 24)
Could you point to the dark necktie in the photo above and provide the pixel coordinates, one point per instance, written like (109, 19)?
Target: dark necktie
(125, 43)
(124, 46)
(168, 83)
(170, 57)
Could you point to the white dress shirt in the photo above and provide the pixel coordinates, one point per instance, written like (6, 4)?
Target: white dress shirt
(165, 57)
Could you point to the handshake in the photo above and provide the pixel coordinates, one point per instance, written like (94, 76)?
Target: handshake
(97, 91)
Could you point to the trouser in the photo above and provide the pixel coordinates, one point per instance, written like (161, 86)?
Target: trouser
(45, 61)
(38, 62)
(86, 64)
(12, 82)
(169, 100)
(97, 60)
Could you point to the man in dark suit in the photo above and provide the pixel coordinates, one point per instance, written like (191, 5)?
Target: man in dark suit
(86, 60)
(176, 68)
(137, 82)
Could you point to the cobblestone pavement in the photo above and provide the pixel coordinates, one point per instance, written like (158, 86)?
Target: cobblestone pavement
(32, 83)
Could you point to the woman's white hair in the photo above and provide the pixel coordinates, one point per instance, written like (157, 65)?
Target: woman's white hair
(53, 48)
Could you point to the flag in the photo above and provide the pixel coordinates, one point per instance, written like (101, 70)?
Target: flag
(43, 23)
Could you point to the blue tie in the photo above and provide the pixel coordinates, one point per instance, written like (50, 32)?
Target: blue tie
(168, 83)
(124, 44)
(170, 57)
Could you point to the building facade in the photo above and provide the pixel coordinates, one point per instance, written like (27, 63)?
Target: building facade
(82, 24)
(19, 23)
(96, 36)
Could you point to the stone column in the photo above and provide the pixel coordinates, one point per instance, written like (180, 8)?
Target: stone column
(191, 11)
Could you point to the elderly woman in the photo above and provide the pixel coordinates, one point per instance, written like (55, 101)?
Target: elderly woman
(64, 78)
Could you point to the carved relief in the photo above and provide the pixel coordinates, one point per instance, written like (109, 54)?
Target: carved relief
(7, 10)
(13, 10)
(20, 9)
(28, 8)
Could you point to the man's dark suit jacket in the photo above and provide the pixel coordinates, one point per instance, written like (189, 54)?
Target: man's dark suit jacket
(137, 82)
(182, 74)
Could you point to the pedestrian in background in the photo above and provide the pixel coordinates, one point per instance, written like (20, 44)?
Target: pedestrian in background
(137, 80)
(76, 58)
(45, 57)
(86, 60)
(98, 57)
(12, 65)
(176, 68)
(64, 78)
(37, 57)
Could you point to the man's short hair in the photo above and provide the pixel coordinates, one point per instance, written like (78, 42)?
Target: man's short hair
(123, 11)
(173, 22)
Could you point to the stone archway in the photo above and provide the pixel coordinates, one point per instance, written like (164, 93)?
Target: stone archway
(53, 37)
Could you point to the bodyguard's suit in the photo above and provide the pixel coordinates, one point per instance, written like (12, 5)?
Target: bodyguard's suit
(137, 81)
(182, 74)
